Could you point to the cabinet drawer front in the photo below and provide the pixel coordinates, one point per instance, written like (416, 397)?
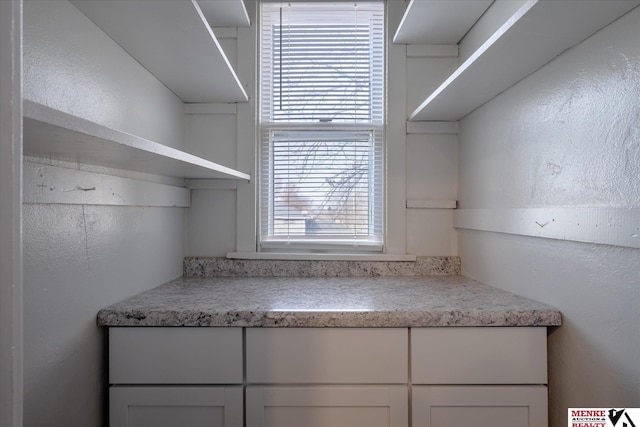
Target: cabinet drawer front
(175, 355)
(321, 406)
(176, 406)
(479, 355)
(327, 356)
(479, 406)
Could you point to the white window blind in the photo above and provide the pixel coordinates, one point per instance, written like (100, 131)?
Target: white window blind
(321, 125)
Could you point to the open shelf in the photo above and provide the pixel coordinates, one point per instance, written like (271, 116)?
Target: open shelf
(53, 134)
(225, 13)
(438, 21)
(172, 40)
(538, 32)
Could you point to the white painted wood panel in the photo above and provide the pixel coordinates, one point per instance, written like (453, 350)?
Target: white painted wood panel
(54, 134)
(431, 204)
(479, 355)
(175, 355)
(11, 248)
(460, 406)
(357, 406)
(172, 40)
(517, 49)
(326, 356)
(51, 184)
(432, 127)
(176, 406)
(439, 21)
(432, 51)
(395, 239)
(608, 226)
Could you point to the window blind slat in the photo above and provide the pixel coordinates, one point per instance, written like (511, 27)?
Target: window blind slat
(321, 64)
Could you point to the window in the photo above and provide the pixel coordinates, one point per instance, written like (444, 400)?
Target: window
(321, 125)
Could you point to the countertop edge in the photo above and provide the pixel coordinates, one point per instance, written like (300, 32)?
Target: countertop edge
(320, 319)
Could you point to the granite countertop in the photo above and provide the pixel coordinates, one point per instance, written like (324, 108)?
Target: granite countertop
(328, 302)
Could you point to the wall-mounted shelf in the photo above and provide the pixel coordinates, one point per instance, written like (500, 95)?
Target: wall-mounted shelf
(54, 134)
(538, 32)
(225, 13)
(172, 40)
(438, 21)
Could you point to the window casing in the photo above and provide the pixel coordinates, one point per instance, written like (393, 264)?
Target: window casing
(321, 126)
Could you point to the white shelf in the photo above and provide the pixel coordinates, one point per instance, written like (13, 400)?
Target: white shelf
(172, 40)
(225, 13)
(538, 32)
(438, 21)
(53, 134)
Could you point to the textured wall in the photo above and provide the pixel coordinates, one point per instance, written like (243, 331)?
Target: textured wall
(566, 136)
(79, 258)
(71, 65)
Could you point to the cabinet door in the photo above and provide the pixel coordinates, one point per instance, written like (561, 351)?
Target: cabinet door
(175, 407)
(357, 406)
(479, 406)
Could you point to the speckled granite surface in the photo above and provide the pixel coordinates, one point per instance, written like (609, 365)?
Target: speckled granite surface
(327, 302)
(222, 267)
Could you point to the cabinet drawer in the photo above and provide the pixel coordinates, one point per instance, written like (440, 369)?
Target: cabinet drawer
(479, 406)
(479, 355)
(327, 356)
(176, 406)
(323, 406)
(175, 355)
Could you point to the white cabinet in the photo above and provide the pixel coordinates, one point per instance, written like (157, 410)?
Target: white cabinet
(338, 377)
(175, 356)
(294, 366)
(479, 376)
(171, 377)
(321, 406)
(479, 406)
(176, 406)
(496, 355)
(327, 356)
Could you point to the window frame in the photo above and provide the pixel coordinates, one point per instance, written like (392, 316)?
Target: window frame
(369, 244)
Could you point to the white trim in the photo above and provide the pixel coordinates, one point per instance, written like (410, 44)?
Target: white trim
(225, 32)
(246, 209)
(211, 184)
(50, 184)
(396, 137)
(431, 204)
(320, 257)
(11, 269)
(432, 51)
(607, 226)
(210, 108)
(432, 127)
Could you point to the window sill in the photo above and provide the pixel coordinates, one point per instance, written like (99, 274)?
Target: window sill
(320, 256)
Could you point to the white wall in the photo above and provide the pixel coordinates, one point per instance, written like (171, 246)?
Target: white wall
(71, 65)
(84, 256)
(567, 136)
